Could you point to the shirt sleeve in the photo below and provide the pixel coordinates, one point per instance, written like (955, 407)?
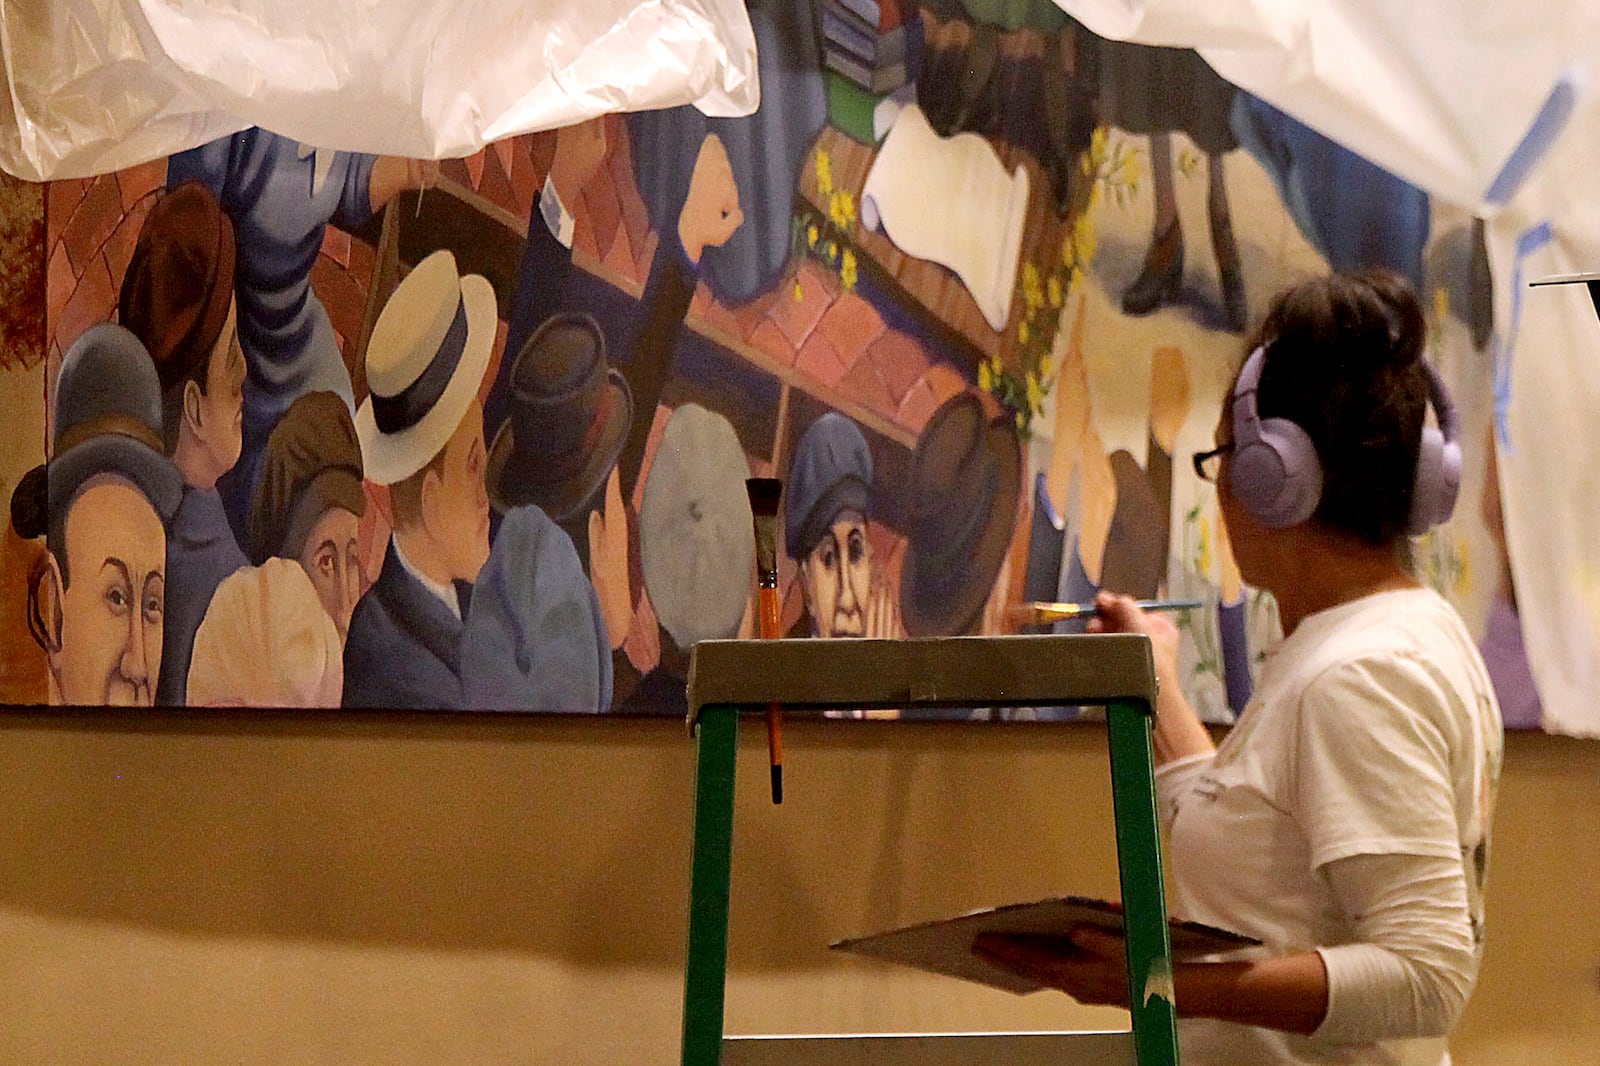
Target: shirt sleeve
(1414, 961)
(1174, 781)
(1371, 773)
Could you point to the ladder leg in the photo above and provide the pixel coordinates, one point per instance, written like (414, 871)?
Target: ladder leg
(1144, 901)
(705, 977)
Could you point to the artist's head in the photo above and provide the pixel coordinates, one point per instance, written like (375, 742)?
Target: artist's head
(309, 500)
(177, 298)
(825, 520)
(1340, 390)
(96, 604)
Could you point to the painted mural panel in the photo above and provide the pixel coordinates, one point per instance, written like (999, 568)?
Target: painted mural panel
(332, 429)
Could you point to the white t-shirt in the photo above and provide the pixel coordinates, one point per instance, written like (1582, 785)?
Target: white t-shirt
(1374, 732)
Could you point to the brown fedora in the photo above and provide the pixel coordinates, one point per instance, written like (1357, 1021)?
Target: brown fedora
(570, 413)
(966, 473)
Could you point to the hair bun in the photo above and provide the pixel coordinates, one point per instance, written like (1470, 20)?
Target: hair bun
(30, 504)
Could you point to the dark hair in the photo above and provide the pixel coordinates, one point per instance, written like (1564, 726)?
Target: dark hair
(1344, 362)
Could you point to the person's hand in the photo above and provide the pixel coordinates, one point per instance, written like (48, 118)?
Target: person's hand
(1093, 970)
(1178, 731)
(883, 616)
(580, 150)
(608, 563)
(711, 211)
(391, 175)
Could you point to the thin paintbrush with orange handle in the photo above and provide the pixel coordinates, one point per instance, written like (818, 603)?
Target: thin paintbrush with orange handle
(764, 495)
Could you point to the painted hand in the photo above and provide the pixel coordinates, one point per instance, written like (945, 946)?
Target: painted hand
(608, 563)
(1092, 969)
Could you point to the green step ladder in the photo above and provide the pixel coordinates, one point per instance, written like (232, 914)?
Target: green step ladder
(727, 677)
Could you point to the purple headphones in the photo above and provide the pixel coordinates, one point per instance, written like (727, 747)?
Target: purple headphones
(1275, 474)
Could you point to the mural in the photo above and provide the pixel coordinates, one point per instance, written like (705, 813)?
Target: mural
(325, 428)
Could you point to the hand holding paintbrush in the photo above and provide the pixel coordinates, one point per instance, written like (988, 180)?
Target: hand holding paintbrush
(1041, 613)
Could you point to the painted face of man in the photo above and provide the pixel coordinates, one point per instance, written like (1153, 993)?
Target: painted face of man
(836, 576)
(111, 614)
(221, 422)
(330, 558)
(456, 506)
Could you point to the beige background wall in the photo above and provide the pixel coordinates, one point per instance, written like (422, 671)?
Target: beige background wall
(490, 891)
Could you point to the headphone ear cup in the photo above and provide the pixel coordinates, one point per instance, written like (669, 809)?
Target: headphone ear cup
(1276, 476)
(1436, 484)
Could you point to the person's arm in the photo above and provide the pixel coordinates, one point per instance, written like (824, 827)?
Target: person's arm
(1179, 733)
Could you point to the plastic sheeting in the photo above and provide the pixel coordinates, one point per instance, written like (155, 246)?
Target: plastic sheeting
(98, 85)
(1490, 106)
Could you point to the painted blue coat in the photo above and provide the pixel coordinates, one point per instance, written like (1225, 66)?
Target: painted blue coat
(404, 650)
(201, 552)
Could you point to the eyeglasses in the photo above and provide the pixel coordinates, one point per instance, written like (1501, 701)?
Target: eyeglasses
(1207, 465)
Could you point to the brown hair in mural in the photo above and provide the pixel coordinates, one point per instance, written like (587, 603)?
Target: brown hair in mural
(177, 298)
(309, 501)
(96, 606)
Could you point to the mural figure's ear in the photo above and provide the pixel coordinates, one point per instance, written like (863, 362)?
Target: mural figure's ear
(44, 606)
(192, 405)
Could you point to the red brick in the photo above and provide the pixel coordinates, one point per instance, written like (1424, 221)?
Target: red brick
(61, 200)
(643, 255)
(818, 360)
(769, 339)
(456, 170)
(605, 213)
(336, 245)
(583, 238)
(60, 281)
(496, 184)
(916, 407)
(526, 181)
(475, 166)
(92, 223)
(119, 246)
(91, 302)
(504, 152)
(899, 360)
(136, 183)
(363, 261)
(749, 316)
(797, 318)
(863, 384)
(851, 325)
(719, 318)
(622, 260)
(345, 301)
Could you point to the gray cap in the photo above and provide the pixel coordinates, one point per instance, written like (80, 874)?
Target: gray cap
(831, 473)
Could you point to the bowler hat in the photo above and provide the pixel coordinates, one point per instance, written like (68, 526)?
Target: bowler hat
(570, 413)
(966, 473)
(108, 420)
(696, 532)
(179, 284)
(425, 360)
(312, 463)
(831, 473)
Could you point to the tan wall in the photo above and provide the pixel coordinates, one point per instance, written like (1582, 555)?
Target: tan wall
(513, 892)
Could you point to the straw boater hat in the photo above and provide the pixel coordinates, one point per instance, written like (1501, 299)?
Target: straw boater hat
(425, 361)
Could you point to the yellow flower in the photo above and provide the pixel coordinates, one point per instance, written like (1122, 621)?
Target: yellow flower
(1069, 254)
(1095, 195)
(847, 269)
(799, 293)
(985, 377)
(824, 173)
(847, 208)
(833, 251)
(1097, 143)
(811, 235)
(1035, 392)
(1202, 562)
(1032, 293)
(1046, 365)
(1083, 239)
(1055, 291)
(1441, 303)
(1022, 331)
(1463, 581)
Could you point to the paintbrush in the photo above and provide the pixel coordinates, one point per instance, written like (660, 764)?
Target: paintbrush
(764, 495)
(1040, 613)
